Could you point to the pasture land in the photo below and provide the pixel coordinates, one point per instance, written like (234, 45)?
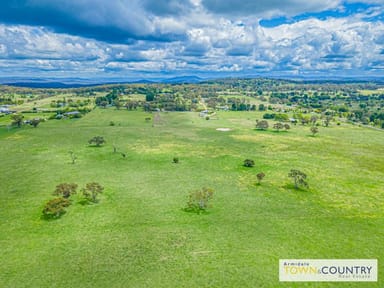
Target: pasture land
(138, 234)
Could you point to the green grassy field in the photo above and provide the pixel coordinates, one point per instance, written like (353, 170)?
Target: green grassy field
(138, 234)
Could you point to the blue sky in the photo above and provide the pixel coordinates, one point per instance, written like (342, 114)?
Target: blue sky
(137, 39)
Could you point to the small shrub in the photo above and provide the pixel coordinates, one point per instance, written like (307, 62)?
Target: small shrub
(198, 201)
(314, 130)
(112, 123)
(55, 208)
(207, 118)
(260, 176)
(175, 160)
(249, 163)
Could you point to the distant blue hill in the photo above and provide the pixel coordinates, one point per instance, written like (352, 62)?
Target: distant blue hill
(65, 83)
(56, 85)
(183, 80)
(78, 83)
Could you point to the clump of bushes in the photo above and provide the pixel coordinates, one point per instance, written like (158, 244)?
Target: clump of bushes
(56, 207)
(248, 163)
(199, 200)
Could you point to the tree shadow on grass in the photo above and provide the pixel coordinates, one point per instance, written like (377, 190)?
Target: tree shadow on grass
(86, 202)
(300, 189)
(280, 131)
(50, 218)
(196, 211)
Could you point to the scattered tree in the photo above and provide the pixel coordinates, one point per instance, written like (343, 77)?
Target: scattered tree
(260, 176)
(262, 125)
(313, 119)
(287, 127)
(175, 160)
(150, 96)
(278, 126)
(298, 178)
(17, 120)
(305, 120)
(65, 190)
(314, 130)
(281, 117)
(97, 140)
(249, 163)
(327, 120)
(91, 190)
(262, 107)
(35, 122)
(117, 104)
(55, 208)
(103, 104)
(198, 201)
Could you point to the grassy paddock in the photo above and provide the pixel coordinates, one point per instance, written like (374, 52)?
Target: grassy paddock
(139, 236)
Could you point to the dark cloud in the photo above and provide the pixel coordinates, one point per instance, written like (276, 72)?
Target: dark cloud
(111, 21)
